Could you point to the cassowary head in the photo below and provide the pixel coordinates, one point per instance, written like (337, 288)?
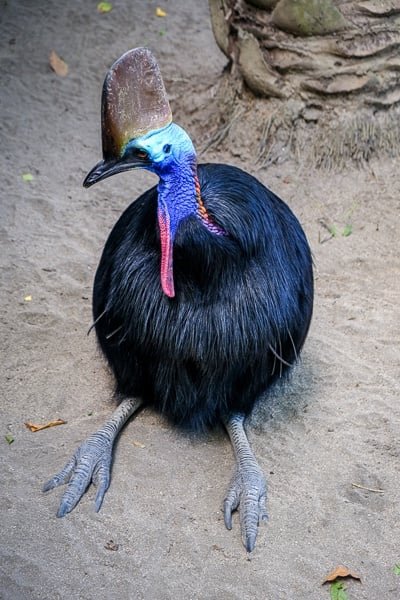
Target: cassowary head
(137, 132)
(137, 128)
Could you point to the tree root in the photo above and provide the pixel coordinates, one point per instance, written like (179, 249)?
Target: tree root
(330, 99)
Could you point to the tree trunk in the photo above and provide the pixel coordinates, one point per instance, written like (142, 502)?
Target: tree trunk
(330, 70)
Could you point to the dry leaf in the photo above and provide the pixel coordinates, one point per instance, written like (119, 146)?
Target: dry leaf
(111, 545)
(35, 428)
(341, 571)
(160, 12)
(138, 444)
(58, 65)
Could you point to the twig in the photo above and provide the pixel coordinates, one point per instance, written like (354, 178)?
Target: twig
(363, 487)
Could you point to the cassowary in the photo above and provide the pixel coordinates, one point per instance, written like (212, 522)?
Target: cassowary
(203, 295)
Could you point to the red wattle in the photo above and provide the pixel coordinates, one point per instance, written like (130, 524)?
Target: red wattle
(167, 272)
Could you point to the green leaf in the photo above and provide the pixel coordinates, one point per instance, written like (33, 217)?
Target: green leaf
(27, 177)
(104, 7)
(396, 569)
(348, 230)
(9, 438)
(332, 230)
(338, 591)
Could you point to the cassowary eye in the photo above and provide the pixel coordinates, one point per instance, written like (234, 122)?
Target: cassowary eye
(141, 154)
(167, 148)
(131, 153)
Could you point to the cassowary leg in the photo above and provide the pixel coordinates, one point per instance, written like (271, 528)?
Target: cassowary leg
(91, 462)
(248, 487)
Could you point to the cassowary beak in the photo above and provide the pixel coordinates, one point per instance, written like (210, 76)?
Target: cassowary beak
(106, 168)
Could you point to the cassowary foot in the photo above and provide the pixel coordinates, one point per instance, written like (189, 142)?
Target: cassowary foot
(247, 492)
(91, 463)
(248, 488)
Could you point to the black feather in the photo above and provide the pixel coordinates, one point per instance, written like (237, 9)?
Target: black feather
(241, 312)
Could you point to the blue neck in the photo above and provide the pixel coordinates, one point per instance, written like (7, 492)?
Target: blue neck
(177, 191)
(173, 159)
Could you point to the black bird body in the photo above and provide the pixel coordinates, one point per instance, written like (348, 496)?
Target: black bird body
(242, 308)
(203, 296)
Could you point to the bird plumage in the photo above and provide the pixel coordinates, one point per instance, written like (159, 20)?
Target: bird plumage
(242, 308)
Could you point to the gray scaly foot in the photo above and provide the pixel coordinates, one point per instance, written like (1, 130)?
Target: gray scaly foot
(248, 489)
(91, 462)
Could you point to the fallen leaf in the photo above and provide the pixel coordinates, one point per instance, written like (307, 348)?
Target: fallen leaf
(160, 12)
(9, 438)
(28, 298)
(111, 545)
(396, 569)
(34, 428)
(338, 591)
(341, 571)
(348, 230)
(138, 444)
(27, 177)
(58, 65)
(104, 7)
(332, 230)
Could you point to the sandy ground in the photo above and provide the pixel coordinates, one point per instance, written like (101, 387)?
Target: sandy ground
(336, 425)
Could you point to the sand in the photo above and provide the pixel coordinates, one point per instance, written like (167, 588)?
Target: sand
(335, 427)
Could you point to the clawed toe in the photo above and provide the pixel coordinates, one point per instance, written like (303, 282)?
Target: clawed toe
(247, 492)
(62, 477)
(91, 463)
